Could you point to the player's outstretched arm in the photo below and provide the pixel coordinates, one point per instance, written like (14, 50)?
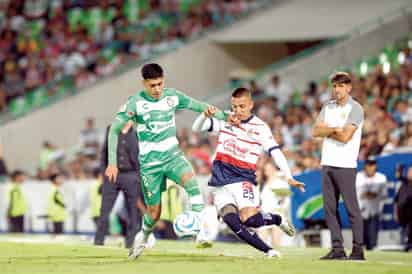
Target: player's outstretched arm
(280, 160)
(205, 121)
(187, 102)
(273, 149)
(201, 123)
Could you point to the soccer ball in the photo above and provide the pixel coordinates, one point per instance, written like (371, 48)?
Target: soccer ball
(186, 224)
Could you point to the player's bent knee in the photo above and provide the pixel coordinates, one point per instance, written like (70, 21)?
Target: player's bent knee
(247, 212)
(230, 208)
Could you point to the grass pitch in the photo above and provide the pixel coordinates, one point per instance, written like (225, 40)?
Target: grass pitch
(170, 257)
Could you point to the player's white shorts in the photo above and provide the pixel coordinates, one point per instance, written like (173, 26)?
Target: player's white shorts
(242, 194)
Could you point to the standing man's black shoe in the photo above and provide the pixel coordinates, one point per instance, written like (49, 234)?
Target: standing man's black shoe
(357, 254)
(335, 255)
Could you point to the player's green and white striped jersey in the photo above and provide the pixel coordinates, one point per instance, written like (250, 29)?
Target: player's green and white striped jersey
(155, 124)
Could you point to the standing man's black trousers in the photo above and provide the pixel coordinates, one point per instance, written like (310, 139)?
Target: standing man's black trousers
(58, 227)
(371, 231)
(16, 224)
(338, 181)
(129, 183)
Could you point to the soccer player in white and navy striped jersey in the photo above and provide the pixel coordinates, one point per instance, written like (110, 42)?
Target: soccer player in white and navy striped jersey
(233, 180)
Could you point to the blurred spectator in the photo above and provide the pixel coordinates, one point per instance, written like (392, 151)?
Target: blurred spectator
(278, 89)
(96, 196)
(56, 208)
(90, 136)
(274, 198)
(403, 203)
(17, 207)
(371, 191)
(48, 155)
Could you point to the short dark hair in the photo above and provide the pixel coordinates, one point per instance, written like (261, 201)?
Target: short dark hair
(371, 160)
(341, 78)
(240, 92)
(96, 172)
(53, 177)
(152, 71)
(16, 173)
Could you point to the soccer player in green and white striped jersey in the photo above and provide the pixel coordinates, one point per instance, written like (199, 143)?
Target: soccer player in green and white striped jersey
(153, 112)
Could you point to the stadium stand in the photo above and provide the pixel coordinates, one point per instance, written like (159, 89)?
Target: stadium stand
(49, 49)
(382, 84)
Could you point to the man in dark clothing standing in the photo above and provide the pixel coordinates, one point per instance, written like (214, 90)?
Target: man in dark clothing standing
(403, 204)
(127, 181)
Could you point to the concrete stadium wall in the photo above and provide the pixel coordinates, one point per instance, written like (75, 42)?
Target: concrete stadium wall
(197, 68)
(367, 42)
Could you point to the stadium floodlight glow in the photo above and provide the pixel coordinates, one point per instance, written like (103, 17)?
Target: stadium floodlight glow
(364, 68)
(386, 68)
(401, 57)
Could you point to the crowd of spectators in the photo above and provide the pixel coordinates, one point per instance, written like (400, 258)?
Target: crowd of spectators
(385, 97)
(43, 42)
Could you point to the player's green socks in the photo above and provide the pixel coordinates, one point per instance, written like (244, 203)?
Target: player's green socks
(148, 225)
(195, 197)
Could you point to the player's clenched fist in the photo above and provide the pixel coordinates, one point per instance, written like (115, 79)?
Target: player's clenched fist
(210, 111)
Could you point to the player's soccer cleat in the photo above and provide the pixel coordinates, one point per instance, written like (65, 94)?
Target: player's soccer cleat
(273, 254)
(287, 227)
(151, 241)
(204, 244)
(357, 254)
(140, 245)
(335, 255)
(203, 237)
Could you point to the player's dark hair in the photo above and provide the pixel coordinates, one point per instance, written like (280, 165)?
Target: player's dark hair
(152, 71)
(240, 92)
(16, 173)
(341, 78)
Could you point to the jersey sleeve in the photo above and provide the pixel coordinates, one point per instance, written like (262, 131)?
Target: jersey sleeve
(126, 113)
(268, 141)
(355, 116)
(187, 102)
(206, 124)
(215, 125)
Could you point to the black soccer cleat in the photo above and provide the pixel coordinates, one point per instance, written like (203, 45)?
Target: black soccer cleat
(357, 255)
(335, 255)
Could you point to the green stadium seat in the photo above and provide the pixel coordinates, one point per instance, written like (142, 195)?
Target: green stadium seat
(75, 17)
(144, 5)
(37, 97)
(109, 14)
(109, 53)
(35, 28)
(18, 106)
(131, 10)
(92, 20)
